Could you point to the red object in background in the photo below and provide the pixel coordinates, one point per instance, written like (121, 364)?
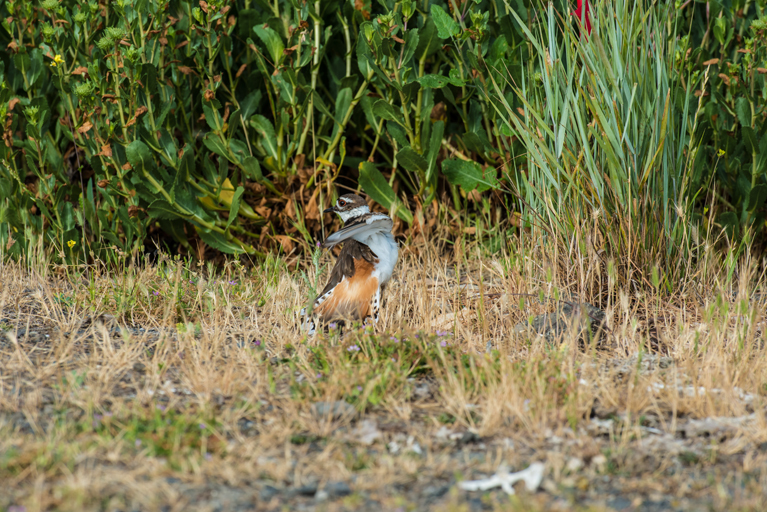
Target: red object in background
(579, 11)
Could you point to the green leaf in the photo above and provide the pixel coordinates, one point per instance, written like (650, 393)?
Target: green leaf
(214, 143)
(380, 73)
(265, 129)
(439, 81)
(252, 168)
(162, 209)
(375, 185)
(750, 137)
(428, 42)
(720, 29)
(468, 175)
(149, 78)
(729, 222)
(367, 108)
(185, 169)
(364, 53)
(411, 43)
(382, 109)
(743, 110)
(446, 25)
(272, 41)
(249, 105)
(212, 117)
(438, 129)
(397, 133)
(175, 228)
(235, 206)
(239, 149)
(139, 156)
(219, 242)
(343, 100)
(757, 197)
(412, 161)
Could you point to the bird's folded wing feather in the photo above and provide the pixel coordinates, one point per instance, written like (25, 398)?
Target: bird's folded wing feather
(370, 224)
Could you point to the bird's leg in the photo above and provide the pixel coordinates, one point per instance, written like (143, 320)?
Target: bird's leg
(375, 304)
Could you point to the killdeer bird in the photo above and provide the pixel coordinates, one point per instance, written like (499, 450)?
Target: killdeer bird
(363, 268)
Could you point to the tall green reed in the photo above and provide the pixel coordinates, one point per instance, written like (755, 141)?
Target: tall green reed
(609, 132)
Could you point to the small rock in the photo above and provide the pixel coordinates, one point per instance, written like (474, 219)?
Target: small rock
(574, 464)
(557, 323)
(334, 410)
(367, 432)
(309, 489)
(337, 489)
(600, 461)
(619, 503)
(468, 437)
(268, 492)
(413, 446)
(422, 391)
(435, 491)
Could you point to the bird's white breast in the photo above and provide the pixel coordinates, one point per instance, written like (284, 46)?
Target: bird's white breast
(386, 249)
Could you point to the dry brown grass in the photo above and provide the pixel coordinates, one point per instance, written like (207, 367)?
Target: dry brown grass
(192, 413)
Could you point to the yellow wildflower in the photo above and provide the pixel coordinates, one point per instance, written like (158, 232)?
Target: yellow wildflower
(720, 153)
(58, 59)
(71, 243)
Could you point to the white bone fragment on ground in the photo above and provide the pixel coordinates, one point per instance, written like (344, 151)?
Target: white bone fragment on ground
(532, 476)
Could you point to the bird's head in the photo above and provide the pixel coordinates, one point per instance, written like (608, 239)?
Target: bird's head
(349, 206)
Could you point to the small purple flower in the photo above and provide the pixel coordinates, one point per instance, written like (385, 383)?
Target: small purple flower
(17, 508)
(160, 407)
(232, 283)
(97, 417)
(353, 348)
(417, 336)
(443, 344)
(394, 339)
(319, 244)
(208, 456)
(319, 375)
(191, 282)
(333, 326)
(257, 343)
(393, 360)
(359, 388)
(137, 443)
(156, 294)
(443, 333)
(202, 426)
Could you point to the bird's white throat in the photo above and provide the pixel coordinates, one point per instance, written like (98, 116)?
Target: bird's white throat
(360, 210)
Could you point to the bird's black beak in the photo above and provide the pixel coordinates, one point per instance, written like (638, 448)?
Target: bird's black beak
(330, 210)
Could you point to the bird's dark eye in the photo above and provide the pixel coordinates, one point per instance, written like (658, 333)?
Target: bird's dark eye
(341, 202)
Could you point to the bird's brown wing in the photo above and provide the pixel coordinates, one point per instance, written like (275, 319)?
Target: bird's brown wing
(344, 267)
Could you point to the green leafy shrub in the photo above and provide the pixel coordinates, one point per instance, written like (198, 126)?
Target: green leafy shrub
(729, 43)
(230, 124)
(224, 124)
